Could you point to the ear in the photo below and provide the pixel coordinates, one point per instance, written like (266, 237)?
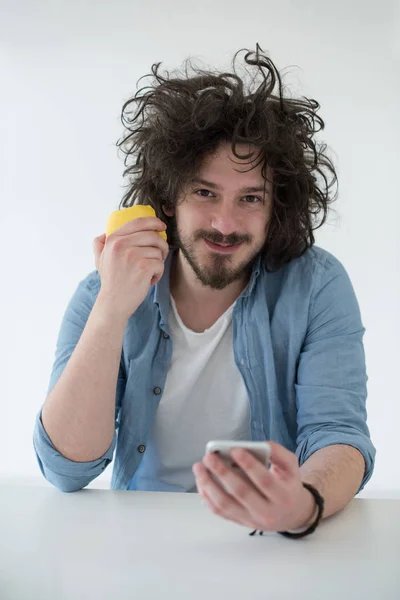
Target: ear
(168, 211)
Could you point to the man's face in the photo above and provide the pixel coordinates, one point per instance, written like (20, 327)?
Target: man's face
(222, 217)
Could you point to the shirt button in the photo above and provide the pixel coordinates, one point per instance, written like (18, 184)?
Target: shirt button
(165, 335)
(157, 391)
(141, 448)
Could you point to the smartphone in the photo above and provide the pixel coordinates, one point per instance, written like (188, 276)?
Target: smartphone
(260, 450)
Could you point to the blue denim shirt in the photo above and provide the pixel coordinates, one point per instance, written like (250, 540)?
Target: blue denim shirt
(297, 336)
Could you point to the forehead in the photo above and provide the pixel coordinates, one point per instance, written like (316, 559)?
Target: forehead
(224, 168)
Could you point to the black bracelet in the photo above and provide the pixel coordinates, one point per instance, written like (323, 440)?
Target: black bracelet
(319, 502)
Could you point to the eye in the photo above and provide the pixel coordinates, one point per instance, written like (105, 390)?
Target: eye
(254, 199)
(199, 193)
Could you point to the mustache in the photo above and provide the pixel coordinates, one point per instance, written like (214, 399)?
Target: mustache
(217, 238)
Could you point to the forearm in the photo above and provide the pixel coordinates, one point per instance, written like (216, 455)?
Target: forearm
(79, 413)
(336, 472)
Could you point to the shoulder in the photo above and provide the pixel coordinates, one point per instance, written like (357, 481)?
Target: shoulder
(314, 269)
(310, 267)
(329, 285)
(316, 262)
(316, 274)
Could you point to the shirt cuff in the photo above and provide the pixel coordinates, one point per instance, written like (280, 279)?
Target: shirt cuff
(65, 474)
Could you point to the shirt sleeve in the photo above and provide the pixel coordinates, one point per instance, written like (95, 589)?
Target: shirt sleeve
(331, 386)
(63, 473)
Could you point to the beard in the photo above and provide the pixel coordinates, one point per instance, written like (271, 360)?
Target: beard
(221, 271)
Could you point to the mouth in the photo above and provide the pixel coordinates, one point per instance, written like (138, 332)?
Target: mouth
(222, 248)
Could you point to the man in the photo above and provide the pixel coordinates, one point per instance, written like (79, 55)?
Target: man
(238, 328)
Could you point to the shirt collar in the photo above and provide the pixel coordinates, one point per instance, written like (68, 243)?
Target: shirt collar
(162, 290)
(253, 278)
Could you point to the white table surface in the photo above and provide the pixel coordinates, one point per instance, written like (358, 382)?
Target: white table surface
(103, 545)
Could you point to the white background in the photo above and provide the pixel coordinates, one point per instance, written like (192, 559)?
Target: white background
(66, 69)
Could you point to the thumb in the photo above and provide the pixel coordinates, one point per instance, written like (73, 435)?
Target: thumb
(98, 247)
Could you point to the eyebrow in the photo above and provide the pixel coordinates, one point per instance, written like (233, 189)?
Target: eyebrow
(248, 190)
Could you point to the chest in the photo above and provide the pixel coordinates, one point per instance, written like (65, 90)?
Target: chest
(198, 319)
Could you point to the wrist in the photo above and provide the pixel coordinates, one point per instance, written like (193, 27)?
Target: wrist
(106, 311)
(308, 514)
(311, 525)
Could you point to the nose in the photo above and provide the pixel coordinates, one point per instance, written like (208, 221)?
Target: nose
(224, 219)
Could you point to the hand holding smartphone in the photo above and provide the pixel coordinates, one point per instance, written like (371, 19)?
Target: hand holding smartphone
(260, 450)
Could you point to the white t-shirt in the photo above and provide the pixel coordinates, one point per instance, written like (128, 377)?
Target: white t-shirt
(204, 399)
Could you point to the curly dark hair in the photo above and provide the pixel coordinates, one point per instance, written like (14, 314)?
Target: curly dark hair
(174, 123)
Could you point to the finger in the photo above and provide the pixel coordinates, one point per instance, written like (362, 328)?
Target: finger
(225, 506)
(149, 238)
(99, 242)
(238, 487)
(265, 481)
(98, 247)
(146, 252)
(216, 511)
(158, 271)
(156, 278)
(141, 239)
(284, 459)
